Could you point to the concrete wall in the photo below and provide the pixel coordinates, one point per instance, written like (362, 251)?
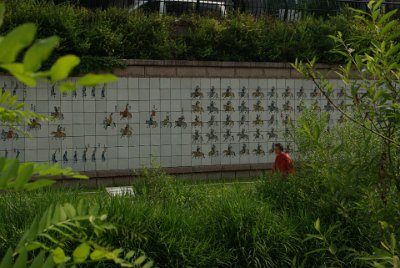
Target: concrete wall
(190, 117)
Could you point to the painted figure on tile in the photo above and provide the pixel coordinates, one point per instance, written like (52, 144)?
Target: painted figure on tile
(126, 131)
(228, 121)
(14, 92)
(84, 157)
(126, 114)
(3, 89)
(212, 108)
(243, 108)
(9, 135)
(151, 122)
(228, 136)
(74, 94)
(257, 135)
(272, 134)
(211, 136)
(53, 91)
(259, 151)
(288, 93)
(34, 124)
(258, 107)
(315, 93)
(197, 94)
(75, 156)
(213, 152)
(258, 121)
(6, 153)
(243, 120)
(328, 107)
(301, 93)
(286, 119)
(17, 153)
(271, 120)
(198, 153)
(243, 93)
(228, 107)
(57, 114)
(228, 93)
(153, 111)
(244, 150)
(196, 137)
(166, 122)
(258, 93)
(272, 93)
(301, 106)
(54, 157)
(103, 91)
(84, 92)
(272, 107)
(315, 106)
(212, 121)
(342, 105)
(197, 122)
(242, 135)
(341, 93)
(181, 122)
(229, 151)
(196, 108)
(65, 157)
(93, 156)
(287, 106)
(109, 122)
(93, 92)
(213, 93)
(33, 107)
(103, 154)
(59, 133)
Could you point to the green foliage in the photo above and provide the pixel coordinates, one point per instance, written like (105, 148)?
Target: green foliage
(374, 92)
(102, 37)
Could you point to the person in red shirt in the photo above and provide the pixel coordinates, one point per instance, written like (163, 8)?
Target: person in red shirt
(283, 163)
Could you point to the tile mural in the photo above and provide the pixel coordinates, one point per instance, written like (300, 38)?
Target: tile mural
(174, 121)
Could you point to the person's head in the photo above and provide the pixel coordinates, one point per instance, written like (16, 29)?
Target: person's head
(278, 148)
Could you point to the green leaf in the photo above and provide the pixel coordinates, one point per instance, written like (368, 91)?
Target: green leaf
(95, 79)
(140, 260)
(6, 262)
(2, 11)
(39, 184)
(81, 253)
(17, 70)
(24, 174)
(97, 254)
(22, 260)
(38, 261)
(15, 41)
(70, 210)
(67, 87)
(39, 52)
(317, 225)
(59, 256)
(148, 264)
(63, 66)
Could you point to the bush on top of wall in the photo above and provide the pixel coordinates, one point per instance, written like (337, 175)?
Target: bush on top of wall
(103, 37)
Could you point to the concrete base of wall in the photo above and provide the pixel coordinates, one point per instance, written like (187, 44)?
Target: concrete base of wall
(113, 178)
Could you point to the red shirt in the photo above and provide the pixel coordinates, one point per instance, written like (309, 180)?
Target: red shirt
(283, 164)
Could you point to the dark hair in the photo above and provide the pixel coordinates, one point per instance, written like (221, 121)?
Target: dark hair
(280, 146)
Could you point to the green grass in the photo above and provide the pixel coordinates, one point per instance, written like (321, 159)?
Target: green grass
(181, 224)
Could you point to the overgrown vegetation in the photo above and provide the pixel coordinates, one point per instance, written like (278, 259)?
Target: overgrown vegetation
(101, 38)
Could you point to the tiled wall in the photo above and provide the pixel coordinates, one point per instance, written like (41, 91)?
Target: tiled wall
(175, 121)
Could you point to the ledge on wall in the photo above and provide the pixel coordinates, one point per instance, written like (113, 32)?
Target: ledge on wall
(108, 178)
(183, 68)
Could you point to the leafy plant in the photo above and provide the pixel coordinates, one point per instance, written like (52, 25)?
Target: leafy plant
(370, 74)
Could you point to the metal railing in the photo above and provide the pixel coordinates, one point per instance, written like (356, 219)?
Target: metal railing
(284, 9)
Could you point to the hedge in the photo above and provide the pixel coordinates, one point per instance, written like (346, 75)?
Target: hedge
(102, 37)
